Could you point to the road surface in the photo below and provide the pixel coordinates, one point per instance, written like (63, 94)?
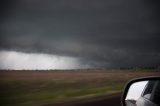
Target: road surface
(108, 100)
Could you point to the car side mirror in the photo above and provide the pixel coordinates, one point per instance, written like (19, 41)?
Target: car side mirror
(142, 92)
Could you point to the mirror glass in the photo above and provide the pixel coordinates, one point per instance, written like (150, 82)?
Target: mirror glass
(143, 93)
(136, 90)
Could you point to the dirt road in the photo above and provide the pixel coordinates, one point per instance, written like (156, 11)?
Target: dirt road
(108, 100)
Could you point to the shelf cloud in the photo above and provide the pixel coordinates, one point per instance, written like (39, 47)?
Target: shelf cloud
(99, 33)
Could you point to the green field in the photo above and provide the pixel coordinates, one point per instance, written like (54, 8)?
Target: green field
(39, 87)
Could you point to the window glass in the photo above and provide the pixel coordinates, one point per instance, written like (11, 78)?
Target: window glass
(156, 97)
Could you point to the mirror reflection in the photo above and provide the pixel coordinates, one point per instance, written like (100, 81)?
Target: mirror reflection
(136, 90)
(144, 93)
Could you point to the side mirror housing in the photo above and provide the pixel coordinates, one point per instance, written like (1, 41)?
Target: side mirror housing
(142, 92)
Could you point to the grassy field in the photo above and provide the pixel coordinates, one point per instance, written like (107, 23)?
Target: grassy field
(39, 87)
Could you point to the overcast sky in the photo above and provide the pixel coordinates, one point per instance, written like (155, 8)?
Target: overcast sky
(95, 33)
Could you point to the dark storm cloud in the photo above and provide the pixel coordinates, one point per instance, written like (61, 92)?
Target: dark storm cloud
(102, 33)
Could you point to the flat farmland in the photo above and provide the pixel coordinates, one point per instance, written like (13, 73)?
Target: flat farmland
(28, 88)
